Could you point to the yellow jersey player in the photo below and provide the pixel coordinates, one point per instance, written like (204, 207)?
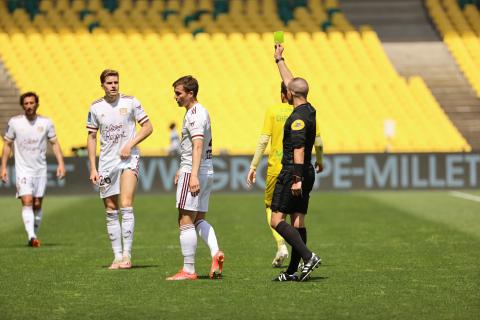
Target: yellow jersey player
(272, 130)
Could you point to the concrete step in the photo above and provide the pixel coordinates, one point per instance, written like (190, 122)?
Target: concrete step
(415, 48)
(393, 20)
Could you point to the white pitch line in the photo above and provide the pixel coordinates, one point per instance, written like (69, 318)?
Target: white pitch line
(464, 195)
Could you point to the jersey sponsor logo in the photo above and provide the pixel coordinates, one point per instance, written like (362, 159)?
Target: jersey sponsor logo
(30, 145)
(298, 125)
(123, 111)
(113, 132)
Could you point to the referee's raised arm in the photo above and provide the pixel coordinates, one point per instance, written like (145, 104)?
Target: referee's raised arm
(285, 73)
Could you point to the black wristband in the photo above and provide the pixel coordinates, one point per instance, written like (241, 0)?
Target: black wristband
(298, 170)
(297, 179)
(279, 59)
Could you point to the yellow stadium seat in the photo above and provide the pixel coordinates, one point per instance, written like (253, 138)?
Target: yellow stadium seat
(460, 31)
(350, 76)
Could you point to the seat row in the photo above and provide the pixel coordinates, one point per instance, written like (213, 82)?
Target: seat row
(353, 85)
(461, 33)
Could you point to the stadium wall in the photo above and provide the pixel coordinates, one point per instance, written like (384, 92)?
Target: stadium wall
(342, 172)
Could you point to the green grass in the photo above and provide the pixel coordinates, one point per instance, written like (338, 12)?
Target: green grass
(386, 256)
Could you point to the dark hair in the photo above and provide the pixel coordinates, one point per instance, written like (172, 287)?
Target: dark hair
(189, 83)
(107, 73)
(283, 88)
(29, 94)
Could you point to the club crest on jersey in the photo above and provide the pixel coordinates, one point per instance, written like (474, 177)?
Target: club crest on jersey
(40, 129)
(298, 125)
(123, 111)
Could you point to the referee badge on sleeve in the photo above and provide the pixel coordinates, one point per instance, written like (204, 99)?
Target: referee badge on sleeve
(298, 125)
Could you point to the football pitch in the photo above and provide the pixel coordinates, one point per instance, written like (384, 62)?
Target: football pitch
(386, 255)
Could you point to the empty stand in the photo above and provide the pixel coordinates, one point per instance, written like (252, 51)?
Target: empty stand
(416, 48)
(394, 21)
(459, 35)
(9, 96)
(353, 83)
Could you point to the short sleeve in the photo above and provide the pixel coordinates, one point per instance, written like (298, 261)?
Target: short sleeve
(51, 134)
(196, 125)
(298, 132)
(268, 123)
(10, 132)
(140, 115)
(92, 123)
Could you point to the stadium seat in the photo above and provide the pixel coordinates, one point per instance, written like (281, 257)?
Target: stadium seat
(354, 86)
(460, 31)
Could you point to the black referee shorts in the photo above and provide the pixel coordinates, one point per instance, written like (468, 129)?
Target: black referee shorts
(283, 200)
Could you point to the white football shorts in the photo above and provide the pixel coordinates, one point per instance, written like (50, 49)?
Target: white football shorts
(34, 186)
(109, 178)
(186, 201)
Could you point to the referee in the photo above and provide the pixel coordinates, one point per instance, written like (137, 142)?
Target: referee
(295, 181)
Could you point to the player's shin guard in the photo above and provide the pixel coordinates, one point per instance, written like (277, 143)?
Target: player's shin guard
(295, 260)
(278, 238)
(38, 219)
(291, 235)
(28, 221)
(206, 232)
(114, 233)
(188, 243)
(128, 224)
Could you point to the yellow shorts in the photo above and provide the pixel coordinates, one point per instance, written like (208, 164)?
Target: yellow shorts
(269, 187)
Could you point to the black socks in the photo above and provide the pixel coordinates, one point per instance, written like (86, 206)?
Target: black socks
(295, 258)
(292, 236)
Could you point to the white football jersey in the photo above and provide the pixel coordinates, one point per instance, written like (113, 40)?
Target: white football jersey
(116, 123)
(30, 144)
(196, 125)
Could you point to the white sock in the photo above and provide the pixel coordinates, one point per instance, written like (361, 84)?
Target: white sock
(28, 221)
(206, 232)
(38, 219)
(188, 243)
(114, 233)
(128, 224)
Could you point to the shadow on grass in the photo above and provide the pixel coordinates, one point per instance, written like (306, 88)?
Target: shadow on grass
(316, 279)
(208, 278)
(144, 266)
(140, 266)
(26, 246)
(55, 244)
